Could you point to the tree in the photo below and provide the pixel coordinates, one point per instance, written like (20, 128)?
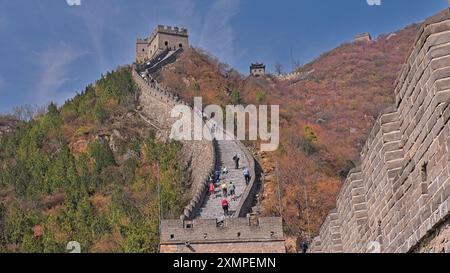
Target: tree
(28, 112)
(260, 96)
(52, 109)
(278, 68)
(296, 65)
(196, 87)
(102, 155)
(18, 223)
(235, 96)
(21, 178)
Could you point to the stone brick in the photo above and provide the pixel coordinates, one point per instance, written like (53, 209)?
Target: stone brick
(393, 155)
(443, 96)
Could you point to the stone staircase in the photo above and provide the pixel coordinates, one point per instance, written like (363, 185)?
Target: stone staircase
(212, 208)
(204, 205)
(164, 58)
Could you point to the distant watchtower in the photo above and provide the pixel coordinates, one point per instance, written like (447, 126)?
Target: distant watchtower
(257, 69)
(162, 38)
(363, 37)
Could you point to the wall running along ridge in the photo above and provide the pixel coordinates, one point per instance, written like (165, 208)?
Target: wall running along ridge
(237, 234)
(157, 105)
(400, 194)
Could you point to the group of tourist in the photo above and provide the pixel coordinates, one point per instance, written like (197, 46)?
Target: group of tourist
(228, 189)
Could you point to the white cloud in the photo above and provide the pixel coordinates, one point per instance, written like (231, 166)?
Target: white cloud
(73, 2)
(97, 17)
(184, 9)
(55, 72)
(217, 34)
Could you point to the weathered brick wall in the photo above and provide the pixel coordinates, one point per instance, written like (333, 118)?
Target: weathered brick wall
(156, 106)
(238, 235)
(437, 241)
(400, 192)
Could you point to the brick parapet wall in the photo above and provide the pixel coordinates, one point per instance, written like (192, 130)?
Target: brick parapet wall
(400, 192)
(236, 235)
(157, 104)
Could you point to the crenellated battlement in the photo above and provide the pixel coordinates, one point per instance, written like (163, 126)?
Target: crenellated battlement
(170, 30)
(233, 235)
(400, 192)
(162, 38)
(233, 229)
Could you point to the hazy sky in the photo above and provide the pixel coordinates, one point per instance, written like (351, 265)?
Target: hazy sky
(50, 50)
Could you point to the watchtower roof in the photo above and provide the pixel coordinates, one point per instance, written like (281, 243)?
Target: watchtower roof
(257, 65)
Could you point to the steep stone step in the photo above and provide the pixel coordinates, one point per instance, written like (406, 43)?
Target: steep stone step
(212, 208)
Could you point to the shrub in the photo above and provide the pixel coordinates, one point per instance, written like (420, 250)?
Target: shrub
(196, 87)
(260, 96)
(235, 97)
(310, 135)
(102, 155)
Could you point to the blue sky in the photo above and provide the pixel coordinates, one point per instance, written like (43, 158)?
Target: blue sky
(50, 50)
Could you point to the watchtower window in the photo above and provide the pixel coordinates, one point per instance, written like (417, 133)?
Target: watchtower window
(172, 236)
(143, 49)
(166, 43)
(238, 234)
(180, 45)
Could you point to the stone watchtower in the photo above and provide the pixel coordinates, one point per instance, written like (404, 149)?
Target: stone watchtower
(363, 37)
(162, 38)
(257, 69)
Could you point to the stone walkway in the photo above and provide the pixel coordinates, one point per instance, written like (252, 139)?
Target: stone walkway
(212, 206)
(226, 149)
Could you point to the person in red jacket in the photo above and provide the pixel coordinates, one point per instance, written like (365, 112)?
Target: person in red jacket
(212, 189)
(225, 206)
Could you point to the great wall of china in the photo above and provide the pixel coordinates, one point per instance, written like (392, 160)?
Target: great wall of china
(198, 229)
(398, 199)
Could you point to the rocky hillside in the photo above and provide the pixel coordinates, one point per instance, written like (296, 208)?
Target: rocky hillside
(327, 112)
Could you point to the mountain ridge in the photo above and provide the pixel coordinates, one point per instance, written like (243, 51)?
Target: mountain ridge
(97, 135)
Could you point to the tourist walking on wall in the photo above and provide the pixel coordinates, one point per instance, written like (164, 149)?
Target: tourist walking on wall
(224, 187)
(236, 161)
(247, 176)
(225, 206)
(212, 189)
(304, 247)
(231, 190)
(217, 176)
